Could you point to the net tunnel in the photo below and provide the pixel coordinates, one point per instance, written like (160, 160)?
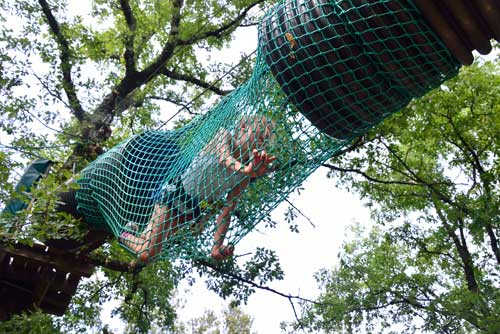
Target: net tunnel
(325, 73)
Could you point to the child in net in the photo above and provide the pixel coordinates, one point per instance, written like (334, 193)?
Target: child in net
(223, 168)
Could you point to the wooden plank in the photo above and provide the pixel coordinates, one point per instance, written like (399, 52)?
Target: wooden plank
(42, 286)
(56, 302)
(490, 11)
(35, 276)
(470, 25)
(442, 27)
(60, 262)
(18, 298)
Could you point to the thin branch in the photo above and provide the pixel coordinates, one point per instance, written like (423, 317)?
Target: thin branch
(182, 104)
(52, 93)
(493, 242)
(424, 248)
(133, 288)
(370, 178)
(188, 78)
(70, 135)
(116, 265)
(259, 286)
(222, 30)
(476, 165)
(65, 58)
(463, 251)
(168, 50)
(430, 186)
(144, 304)
(300, 212)
(217, 269)
(203, 92)
(106, 285)
(357, 143)
(295, 313)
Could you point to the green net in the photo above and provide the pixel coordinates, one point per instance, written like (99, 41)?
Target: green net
(326, 71)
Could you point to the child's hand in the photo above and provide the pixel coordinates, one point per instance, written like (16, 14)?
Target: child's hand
(221, 252)
(258, 166)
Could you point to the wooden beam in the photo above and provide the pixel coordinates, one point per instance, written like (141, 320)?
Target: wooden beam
(65, 263)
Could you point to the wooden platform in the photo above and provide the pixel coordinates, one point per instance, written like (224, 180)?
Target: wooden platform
(38, 277)
(464, 25)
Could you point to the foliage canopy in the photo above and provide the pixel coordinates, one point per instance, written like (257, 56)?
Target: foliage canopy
(430, 175)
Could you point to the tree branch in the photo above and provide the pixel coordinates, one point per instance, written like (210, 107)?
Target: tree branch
(222, 30)
(290, 297)
(300, 212)
(356, 143)
(187, 78)
(184, 105)
(102, 117)
(370, 178)
(493, 242)
(463, 252)
(125, 267)
(129, 55)
(65, 58)
(430, 185)
(217, 269)
(53, 93)
(168, 50)
(476, 165)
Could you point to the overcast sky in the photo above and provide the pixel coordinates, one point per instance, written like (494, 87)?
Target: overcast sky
(301, 255)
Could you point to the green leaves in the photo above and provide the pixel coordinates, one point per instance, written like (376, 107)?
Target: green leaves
(37, 323)
(230, 321)
(431, 175)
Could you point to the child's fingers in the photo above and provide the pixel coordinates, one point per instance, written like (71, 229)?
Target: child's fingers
(257, 161)
(263, 155)
(256, 157)
(271, 158)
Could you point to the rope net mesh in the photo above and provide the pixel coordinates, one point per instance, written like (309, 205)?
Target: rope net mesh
(325, 72)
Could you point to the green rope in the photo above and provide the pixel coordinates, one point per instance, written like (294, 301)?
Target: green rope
(326, 72)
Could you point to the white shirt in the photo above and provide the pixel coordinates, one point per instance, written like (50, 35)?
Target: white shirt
(208, 179)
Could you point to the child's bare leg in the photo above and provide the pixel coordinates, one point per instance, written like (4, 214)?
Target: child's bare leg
(149, 243)
(153, 234)
(163, 227)
(219, 251)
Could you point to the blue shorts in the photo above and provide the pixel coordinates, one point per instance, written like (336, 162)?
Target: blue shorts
(178, 201)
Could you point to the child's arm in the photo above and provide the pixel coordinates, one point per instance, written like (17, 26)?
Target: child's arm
(256, 168)
(219, 251)
(223, 148)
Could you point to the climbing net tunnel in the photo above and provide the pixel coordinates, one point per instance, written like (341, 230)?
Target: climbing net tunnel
(326, 71)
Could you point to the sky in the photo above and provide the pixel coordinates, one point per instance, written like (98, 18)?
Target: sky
(332, 211)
